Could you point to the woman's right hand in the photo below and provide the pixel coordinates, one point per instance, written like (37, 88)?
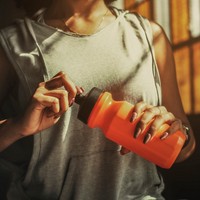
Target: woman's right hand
(50, 100)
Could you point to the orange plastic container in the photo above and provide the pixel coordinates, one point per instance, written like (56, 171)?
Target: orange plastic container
(98, 109)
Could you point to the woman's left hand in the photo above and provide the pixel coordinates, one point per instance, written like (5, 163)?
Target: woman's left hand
(151, 119)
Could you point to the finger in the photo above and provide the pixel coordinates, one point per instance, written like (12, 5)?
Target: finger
(62, 80)
(159, 120)
(148, 116)
(54, 83)
(44, 101)
(157, 123)
(69, 86)
(174, 126)
(162, 109)
(140, 107)
(151, 113)
(79, 90)
(58, 74)
(62, 95)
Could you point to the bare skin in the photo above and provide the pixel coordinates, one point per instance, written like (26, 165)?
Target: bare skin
(49, 101)
(83, 17)
(171, 97)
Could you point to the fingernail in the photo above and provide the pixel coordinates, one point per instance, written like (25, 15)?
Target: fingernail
(82, 89)
(71, 102)
(164, 135)
(133, 116)
(56, 116)
(147, 138)
(137, 132)
(124, 151)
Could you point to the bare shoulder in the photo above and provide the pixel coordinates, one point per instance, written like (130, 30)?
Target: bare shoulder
(162, 47)
(8, 76)
(157, 29)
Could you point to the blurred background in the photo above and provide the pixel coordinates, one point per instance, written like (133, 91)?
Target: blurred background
(181, 22)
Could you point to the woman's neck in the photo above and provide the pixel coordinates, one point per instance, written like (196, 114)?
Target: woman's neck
(67, 8)
(79, 16)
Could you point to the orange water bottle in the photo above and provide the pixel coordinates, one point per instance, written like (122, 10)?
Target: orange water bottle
(98, 109)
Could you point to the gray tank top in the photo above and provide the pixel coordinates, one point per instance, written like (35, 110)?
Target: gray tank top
(69, 160)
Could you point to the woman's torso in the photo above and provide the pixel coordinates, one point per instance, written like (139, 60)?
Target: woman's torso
(70, 160)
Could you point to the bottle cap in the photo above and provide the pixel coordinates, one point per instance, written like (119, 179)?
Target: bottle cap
(87, 103)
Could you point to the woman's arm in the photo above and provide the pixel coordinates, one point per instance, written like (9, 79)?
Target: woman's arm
(45, 108)
(170, 93)
(8, 129)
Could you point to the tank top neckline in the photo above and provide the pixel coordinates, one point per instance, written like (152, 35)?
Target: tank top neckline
(39, 18)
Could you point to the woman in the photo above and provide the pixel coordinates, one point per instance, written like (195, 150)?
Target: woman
(51, 154)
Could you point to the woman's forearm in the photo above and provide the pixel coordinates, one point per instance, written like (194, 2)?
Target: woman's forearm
(188, 149)
(9, 133)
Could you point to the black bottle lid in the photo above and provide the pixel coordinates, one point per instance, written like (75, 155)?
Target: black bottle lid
(87, 103)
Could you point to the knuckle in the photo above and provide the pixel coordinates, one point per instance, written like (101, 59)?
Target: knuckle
(41, 84)
(156, 125)
(35, 98)
(142, 103)
(162, 108)
(55, 101)
(64, 93)
(65, 76)
(178, 121)
(170, 116)
(151, 110)
(153, 129)
(160, 118)
(140, 106)
(38, 90)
